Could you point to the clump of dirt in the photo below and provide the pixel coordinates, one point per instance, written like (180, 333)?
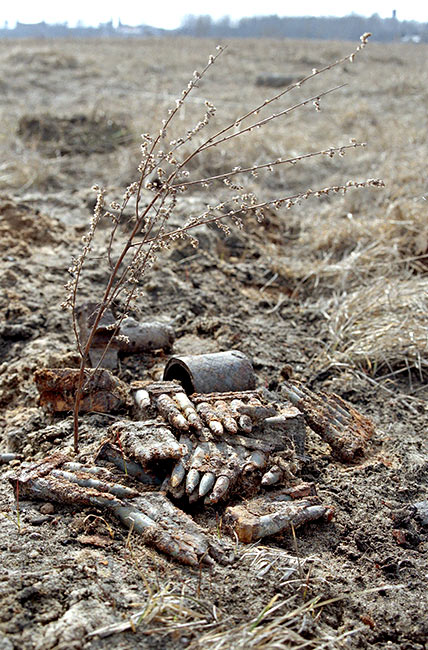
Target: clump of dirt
(21, 228)
(67, 136)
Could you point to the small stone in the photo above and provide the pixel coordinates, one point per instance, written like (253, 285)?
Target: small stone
(38, 521)
(14, 548)
(35, 535)
(422, 512)
(399, 536)
(47, 509)
(5, 643)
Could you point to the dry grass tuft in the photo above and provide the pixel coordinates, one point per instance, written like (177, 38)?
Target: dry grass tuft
(382, 328)
(282, 624)
(346, 250)
(167, 611)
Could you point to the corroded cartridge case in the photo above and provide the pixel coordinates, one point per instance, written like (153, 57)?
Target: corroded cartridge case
(218, 372)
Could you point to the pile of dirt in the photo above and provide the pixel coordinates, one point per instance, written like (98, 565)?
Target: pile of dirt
(66, 136)
(21, 227)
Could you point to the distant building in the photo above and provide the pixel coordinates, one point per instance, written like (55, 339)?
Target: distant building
(129, 30)
(411, 38)
(39, 30)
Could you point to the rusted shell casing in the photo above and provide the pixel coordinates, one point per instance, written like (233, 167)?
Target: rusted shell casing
(130, 337)
(218, 372)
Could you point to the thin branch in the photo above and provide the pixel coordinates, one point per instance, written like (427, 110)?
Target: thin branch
(210, 143)
(279, 161)
(297, 84)
(251, 208)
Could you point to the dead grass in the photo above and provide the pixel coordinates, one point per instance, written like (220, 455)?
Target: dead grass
(170, 610)
(282, 624)
(167, 610)
(347, 250)
(382, 328)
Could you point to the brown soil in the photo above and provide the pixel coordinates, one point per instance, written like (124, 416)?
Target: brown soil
(275, 290)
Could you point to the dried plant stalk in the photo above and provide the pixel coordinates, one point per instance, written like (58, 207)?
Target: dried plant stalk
(163, 175)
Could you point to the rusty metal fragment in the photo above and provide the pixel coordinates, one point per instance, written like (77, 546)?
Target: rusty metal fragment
(189, 411)
(128, 337)
(102, 392)
(150, 514)
(223, 414)
(144, 337)
(196, 446)
(170, 410)
(146, 442)
(209, 373)
(274, 513)
(336, 421)
(142, 398)
(156, 388)
(211, 418)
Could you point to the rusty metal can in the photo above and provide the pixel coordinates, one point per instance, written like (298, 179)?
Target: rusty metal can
(217, 372)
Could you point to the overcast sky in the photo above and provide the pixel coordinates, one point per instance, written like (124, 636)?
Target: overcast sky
(169, 13)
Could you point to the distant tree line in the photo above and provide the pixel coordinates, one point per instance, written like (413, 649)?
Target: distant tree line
(347, 28)
(328, 28)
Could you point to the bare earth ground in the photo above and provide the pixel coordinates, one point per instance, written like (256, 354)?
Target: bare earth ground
(335, 289)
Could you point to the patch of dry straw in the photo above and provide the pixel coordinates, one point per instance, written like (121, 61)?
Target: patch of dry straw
(167, 611)
(345, 252)
(282, 624)
(382, 327)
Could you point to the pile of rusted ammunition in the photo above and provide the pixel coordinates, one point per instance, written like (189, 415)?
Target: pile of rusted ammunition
(204, 434)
